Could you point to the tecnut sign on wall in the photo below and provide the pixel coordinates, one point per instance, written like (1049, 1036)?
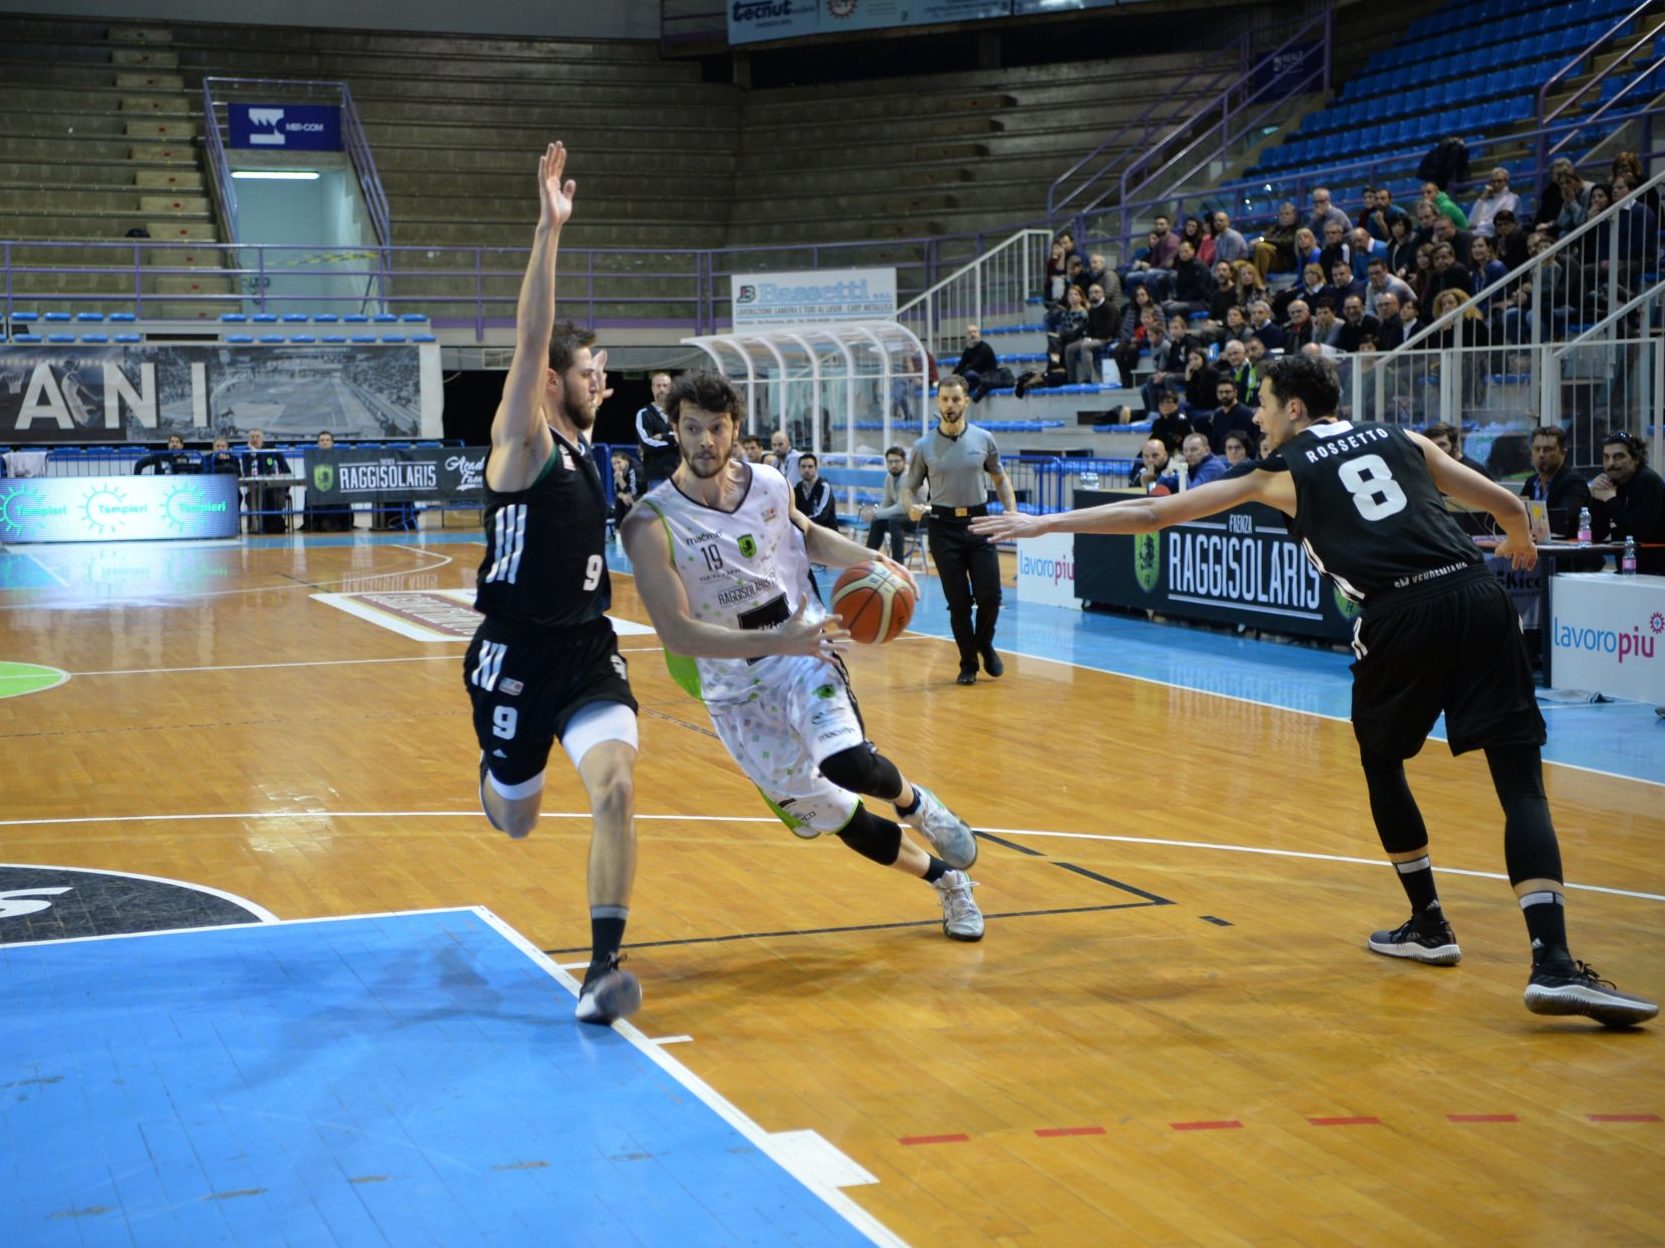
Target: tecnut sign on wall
(751, 21)
(760, 300)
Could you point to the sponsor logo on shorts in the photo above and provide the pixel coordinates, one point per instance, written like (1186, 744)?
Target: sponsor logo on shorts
(510, 687)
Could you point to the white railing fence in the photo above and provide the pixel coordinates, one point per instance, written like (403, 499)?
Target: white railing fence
(994, 289)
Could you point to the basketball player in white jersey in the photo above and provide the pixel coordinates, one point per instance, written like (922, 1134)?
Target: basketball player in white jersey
(721, 558)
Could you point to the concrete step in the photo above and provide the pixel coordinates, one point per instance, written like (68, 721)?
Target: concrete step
(158, 105)
(184, 180)
(20, 175)
(207, 284)
(415, 208)
(132, 33)
(154, 57)
(26, 223)
(579, 234)
(517, 166)
(176, 130)
(150, 80)
(175, 205)
(640, 137)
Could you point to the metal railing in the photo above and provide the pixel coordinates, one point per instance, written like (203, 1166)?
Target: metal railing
(1547, 116)
(995, 286)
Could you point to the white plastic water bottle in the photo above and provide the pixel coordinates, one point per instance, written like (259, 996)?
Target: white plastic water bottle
(1627, 561)
(1584, 525)
(1183, 472)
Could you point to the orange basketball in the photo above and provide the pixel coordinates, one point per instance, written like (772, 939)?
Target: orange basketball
(874, 603)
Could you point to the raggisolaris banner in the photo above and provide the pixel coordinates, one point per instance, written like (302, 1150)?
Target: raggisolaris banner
(404, 474)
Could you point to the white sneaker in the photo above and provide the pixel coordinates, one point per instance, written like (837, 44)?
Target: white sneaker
(949, 835)
(609, 996)
(961, 919)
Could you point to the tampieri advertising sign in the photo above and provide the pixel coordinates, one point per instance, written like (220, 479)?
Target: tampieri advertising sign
(819, 296)
(117, 509)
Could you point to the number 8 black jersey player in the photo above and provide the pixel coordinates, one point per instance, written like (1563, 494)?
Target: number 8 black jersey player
(544, 665)
(1438, 633)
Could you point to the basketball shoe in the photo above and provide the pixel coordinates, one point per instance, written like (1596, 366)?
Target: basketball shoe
(961, 919)
(948, 833)
(609, 993)
(1563, 986)
(1420, 938)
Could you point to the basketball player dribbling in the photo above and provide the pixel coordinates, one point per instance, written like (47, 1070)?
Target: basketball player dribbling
(721, 560)
(1437, 633)
(544, 664)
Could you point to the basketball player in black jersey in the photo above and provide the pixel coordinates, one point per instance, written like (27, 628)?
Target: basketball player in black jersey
(544, 665)
(1438, 633)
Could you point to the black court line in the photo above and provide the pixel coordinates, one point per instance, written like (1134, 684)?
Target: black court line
(1022, 849)
(860, 927)
(1209, 918)
(1152, 898)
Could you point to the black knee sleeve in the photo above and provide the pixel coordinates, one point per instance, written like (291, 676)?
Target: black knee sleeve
(873, 837)
(1529, 846)
(862, 769)
(1398, 821)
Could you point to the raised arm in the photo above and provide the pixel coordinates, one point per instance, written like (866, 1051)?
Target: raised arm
(518, 429)
(1469, 488)
(1146, 514)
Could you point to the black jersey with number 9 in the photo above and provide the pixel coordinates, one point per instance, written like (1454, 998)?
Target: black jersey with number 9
(1367, 509)
(546, 546)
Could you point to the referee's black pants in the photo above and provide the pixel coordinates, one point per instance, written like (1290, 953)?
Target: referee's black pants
(969, 569)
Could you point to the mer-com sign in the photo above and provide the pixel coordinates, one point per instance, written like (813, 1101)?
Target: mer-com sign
(285, 127)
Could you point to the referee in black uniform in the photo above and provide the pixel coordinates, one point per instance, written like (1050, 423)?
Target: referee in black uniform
(955, 457)
(1438, 633)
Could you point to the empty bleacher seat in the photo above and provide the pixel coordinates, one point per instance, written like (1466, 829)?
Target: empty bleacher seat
(233, 318)
(93, 318)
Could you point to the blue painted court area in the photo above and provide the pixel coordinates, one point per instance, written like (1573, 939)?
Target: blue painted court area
(395, 1079)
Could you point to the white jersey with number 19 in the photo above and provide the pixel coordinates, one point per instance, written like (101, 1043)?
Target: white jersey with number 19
(745, 568)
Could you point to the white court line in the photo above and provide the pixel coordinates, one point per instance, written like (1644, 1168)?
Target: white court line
(582, 814)
(787, 1158)
(24, 554)
(671, 1040)
(246, 667)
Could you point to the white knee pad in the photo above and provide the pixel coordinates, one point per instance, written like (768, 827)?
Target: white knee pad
(596, 723)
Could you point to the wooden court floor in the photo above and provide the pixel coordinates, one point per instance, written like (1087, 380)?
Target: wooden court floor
(1172, 1034)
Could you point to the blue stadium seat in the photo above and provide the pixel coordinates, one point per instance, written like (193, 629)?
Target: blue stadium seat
(356, 318)
(325, 318)
(26, 338)
(129, 338)
(364, 338)
(60, 337)
(239, 338)
(423, 338)
(271, 339)
(122, 318)
(294, 318)
(233, 318)
(25, 317)
(57, 318)
(393, 338)
(95, 338)
(385, 318)
(415, 318)
(90, 318)
(334, 338)
(265, 318)
(302, 338)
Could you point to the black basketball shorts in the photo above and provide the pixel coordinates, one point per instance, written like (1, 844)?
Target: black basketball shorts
(526, 686)
(1456, 649)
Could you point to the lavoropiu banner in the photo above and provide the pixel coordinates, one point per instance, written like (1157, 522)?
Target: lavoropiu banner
(761, 300)
(73, 393)
(404, 474)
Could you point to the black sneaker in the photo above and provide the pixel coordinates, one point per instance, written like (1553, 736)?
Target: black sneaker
(991, 662)
(1420, 939)
(609, 993)
(1570, 987)
(967, 676)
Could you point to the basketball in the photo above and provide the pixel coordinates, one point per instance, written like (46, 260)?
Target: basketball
(874, 603)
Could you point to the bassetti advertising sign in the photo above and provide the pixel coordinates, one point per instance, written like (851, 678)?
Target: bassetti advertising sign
(1608, 634)
(1239, 567)
(403, 474)
(116, 509)
(142, 393)
(763, 300)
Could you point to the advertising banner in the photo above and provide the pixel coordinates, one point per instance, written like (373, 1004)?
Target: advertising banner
(285, 127)
(752, 21)
(761, 300)
(1046, 570)
(1608, 634)
(1239, 567)
(73, 393)
(1025, 8)
(396, 474)
(117, 509)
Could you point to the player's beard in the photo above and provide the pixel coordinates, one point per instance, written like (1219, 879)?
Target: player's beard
(705, 469)
(582, 415)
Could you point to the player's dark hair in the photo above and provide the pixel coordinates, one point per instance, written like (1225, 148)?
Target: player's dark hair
(952, 380)
(895, 450)
(1441, 430)
(809, 456)
(706, 390)
(1309, 378)
(565, 343)
(1637, 448)
(1550, 431)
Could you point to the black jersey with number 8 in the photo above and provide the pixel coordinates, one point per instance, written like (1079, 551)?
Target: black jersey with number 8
(1368, 512)
(546, 546)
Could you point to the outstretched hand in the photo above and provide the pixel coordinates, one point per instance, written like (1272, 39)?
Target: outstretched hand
(554, 195)
(1008, 525)
(598, 362)
(823, 639)
(1522, 556)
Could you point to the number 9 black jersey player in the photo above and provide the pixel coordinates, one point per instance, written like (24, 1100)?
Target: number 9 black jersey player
(544, 665)
(1437, 633)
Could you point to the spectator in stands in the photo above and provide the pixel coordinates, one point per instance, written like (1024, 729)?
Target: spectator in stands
(1461, 241)
(1410, 318)
(1575, 202)
(1274, 251)
(752, 446)
(1070, 326)
(1224, 295)
(891, 516)
(1554, 484)
(1356, 325)
(1202, 463)
(1097, 273)
(1229, 416)
(813, 494)
(1313, 287)
(781, 457)
(1206, 244)
(1445, 205)
(221, 459)
(1298, 329)
(1401, 250)
(1268, 331)
(1167, 357)
(1427, 216)
(269, 503)
(1364, 249)
(1055, 278)
(1449, 439)
(1448, 273)
(1236, 326)
(1191, 283)
(1379, 213)
(1192, 228)
(1638, 229)
(1250, 284)
(1151, 464)
(171, 462)
(1380, 281)
(656, 435)
(1156, 268)
(1137, 339)
(978, 365)
(1485, 270)
(1335, 250)
(1467, 330)
(1325, 327)
(1081, 355)
(1549, 198)
(1240, 447)
(1200, 379)
(1229, 244)
(1170, 425)
(1424, 281)
(1323, 212)
(327, 517)
(1235, 365)
(1632, 499)
(1509, 239)
(1307, 250)
(1343, 283)
(627, 484)
(1133, 313)
(1391, 331)
(1628, 166)
(1255, 345)
(1518, 298)
(1496, 198)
